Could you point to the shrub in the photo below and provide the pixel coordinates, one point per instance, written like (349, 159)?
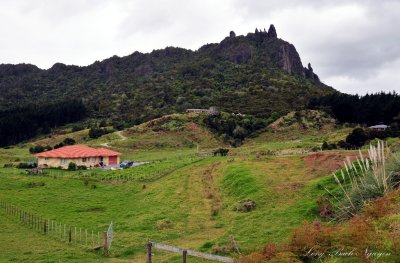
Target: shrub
(8, 165)
(26, 165)
(357, 137)
(72, 166)
(325, 207)
(95, 133)
(221, 152)
(69, 141)
(39, 149)
(81, 167)
(367, 180)
(77, 127)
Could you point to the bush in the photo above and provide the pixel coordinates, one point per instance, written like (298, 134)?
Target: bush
(325, 207)
(77, 127)
(69, 141)
(234, 128)
(39, 149)
(26, 165)
(81, 167)
(221, 152)
(358, 137)
(65, 142)
(72, 166)
(368, 180)
(95, 133)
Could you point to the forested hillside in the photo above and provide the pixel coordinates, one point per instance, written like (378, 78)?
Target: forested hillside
(370, 109)
(254, 74)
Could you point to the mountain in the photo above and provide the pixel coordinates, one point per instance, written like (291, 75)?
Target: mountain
(258, 68)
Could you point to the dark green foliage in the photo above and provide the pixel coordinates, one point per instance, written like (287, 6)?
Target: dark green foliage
(242, 74)
(119, 125)
(65, 142)
(370, 109)
(39, 149)
(23, 122)
(77, 127)
(328, 146)
(27, 165)
(358, 137)
(344, 145)
(72, 166)
(95, 132)
(234, 128)
(81, 167)
(221, 152)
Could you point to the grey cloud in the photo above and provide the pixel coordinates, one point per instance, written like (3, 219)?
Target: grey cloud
(351, 43)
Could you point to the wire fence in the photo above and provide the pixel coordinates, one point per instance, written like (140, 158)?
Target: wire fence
(56, 229)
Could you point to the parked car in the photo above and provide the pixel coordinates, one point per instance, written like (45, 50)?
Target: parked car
(126, 164)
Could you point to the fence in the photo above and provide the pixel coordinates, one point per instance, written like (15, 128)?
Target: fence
(56, 229)
(184, 253)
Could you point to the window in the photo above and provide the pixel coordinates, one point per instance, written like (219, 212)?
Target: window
(84, 160)
(63, 161)
(46, 158)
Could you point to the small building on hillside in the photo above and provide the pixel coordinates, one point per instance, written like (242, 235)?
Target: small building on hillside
(210, 111)
(78, 154)
(380, 127)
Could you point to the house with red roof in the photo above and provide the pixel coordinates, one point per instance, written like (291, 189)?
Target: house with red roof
(78, 154)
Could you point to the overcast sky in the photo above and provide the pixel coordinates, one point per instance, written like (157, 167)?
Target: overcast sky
(352, 45)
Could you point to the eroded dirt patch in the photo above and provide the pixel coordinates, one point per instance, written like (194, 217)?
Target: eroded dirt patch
(327, 162)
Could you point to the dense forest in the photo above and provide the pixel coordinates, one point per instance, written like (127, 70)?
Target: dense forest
(255, 74)
(370, 109)
(22, 123)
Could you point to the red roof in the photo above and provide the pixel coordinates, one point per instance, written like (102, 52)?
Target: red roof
(77, 151)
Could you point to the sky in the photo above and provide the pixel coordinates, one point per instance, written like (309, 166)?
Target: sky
(353, 45)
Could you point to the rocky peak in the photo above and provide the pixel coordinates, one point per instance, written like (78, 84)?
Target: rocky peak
(272, 31)
(232, 34)
(309, 74)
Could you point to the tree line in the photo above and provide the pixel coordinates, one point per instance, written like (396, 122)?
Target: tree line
(23, 123)
(370, 109)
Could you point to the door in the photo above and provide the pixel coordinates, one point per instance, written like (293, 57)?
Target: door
(112, 160)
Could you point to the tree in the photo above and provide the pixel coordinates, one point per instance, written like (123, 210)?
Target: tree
(69, 141)
(72, 166)
(358, 137)
(325, 146)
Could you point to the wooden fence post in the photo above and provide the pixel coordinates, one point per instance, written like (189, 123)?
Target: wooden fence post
(69, 234)
(45, 226)
(184, 253)
(148, 258)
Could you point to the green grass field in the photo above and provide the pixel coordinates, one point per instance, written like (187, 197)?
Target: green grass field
(175, 208)
(178, 199)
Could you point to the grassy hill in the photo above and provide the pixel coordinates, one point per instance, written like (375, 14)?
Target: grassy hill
(180, 198)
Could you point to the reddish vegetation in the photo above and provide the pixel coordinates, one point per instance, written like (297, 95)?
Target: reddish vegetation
(374, 233)
(327, 162)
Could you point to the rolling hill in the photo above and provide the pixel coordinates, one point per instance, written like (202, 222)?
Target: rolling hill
(259, 68)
